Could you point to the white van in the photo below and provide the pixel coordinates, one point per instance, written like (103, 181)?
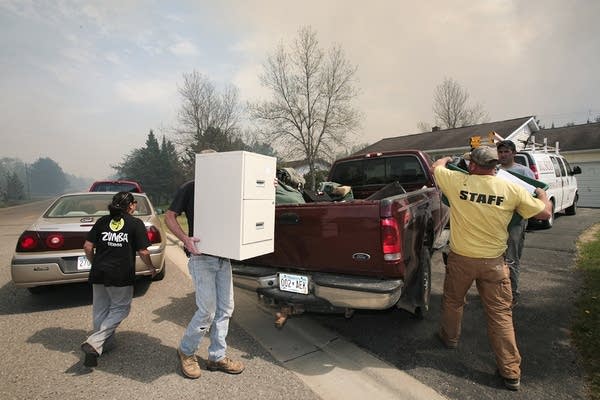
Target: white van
(554, 170)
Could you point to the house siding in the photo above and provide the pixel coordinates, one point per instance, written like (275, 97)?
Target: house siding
(588, 183)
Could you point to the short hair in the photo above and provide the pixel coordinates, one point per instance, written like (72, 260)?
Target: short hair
(509, 144)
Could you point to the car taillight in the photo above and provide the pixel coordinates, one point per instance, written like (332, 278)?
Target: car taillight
(27, 242)
(32, 241)
(55, 241)
(390, 239)
(153, 234)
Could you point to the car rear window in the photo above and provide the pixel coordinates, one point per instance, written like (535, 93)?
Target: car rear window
(92, 205)
(374, 171)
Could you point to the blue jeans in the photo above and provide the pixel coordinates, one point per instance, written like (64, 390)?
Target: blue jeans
(516, 242)
(111, 304)
(214, 301)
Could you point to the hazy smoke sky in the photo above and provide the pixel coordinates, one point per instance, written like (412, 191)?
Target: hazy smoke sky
(84, 81)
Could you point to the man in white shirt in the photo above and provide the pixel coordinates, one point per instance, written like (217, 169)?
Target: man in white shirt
(516, 231)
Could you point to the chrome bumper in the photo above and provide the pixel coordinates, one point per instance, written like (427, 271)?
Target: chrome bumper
(342, 291)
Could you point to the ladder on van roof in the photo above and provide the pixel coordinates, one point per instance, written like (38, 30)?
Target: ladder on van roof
(531, 145)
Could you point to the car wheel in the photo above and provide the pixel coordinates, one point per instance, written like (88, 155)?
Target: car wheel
(424, 282)
(161, 275)
(572, 210)
(550, 221)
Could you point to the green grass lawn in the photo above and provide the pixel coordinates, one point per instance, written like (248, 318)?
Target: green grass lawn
(586, 324)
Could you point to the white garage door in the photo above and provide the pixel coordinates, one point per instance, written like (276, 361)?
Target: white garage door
(589, 184)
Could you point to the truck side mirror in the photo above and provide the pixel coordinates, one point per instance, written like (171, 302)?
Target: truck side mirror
(576, 170)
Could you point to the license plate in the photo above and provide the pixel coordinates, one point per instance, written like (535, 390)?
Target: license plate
(83, 264)
(293, 283)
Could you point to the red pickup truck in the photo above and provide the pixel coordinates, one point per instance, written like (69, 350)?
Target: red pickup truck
(372, 252)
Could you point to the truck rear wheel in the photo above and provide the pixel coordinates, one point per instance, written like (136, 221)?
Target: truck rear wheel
(424, 282)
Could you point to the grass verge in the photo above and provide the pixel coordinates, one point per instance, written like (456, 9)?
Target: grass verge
(586, 324)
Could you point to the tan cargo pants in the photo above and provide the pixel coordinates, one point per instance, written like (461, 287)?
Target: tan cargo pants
(493, 284)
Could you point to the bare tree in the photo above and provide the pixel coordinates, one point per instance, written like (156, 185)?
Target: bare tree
(451, 108)
(311, 109)
(204, 109)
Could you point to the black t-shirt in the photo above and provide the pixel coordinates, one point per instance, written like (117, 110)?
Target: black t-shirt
(116, 244)
(183, 202)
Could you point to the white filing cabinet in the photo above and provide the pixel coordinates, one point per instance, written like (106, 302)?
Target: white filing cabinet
(234, 209)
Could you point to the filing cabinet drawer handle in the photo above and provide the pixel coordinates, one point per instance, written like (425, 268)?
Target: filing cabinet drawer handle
(260, 225)
(260, 183)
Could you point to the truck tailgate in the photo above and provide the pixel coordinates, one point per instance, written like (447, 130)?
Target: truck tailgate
(327, 237)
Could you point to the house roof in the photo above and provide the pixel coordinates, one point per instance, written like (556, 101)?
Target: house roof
(571, 138)
(448, 138)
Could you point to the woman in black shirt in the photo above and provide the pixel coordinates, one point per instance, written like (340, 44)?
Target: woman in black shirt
(116, 237)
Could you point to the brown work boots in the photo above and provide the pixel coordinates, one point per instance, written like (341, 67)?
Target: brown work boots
(225, 365)
(189, 365)
(191, 369)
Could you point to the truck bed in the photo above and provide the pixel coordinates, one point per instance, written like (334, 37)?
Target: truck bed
(344, 237)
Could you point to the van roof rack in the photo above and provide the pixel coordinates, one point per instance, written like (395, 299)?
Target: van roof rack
(531, 145)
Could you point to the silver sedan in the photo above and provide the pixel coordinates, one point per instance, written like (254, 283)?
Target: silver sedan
(50, 251)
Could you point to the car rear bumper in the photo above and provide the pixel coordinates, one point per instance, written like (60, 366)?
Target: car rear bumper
(339, 291)
(32, 270)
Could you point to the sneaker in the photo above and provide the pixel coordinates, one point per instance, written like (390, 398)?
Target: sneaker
(189, 365)
(512, 383)
(448, 345)
(226, 365)
(91, 355)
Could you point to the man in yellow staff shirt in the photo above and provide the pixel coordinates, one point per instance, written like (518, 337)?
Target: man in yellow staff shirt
(481, 207)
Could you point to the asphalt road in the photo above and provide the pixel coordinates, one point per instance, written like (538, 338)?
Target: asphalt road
(549, 285)
(40, 337)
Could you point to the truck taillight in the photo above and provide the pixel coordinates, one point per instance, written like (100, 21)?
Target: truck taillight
(390, 239)
(535, 171)
(153, 234)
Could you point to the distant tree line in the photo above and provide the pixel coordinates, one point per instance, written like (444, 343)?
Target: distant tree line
(20, 181)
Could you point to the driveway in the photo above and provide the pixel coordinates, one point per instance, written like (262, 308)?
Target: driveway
(549, 285)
